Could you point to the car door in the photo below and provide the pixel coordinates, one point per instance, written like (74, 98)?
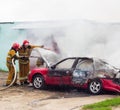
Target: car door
(61, 73)
(84, 69)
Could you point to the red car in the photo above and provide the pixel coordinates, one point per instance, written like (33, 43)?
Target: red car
(82, 72)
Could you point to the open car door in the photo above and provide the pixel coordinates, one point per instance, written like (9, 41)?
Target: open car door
(84, 69)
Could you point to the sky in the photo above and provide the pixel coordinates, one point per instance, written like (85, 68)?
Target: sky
(42, 10)
(100, 39)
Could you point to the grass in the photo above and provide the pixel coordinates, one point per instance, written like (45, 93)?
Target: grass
(104, 105)
(1, 70)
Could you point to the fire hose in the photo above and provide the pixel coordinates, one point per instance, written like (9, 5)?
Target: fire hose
(15, 76)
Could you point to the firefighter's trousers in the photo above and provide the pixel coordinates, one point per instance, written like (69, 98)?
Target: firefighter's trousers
(10, 74)
(23, 71)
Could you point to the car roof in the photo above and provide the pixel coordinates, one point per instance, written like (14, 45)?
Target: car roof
(84, 58)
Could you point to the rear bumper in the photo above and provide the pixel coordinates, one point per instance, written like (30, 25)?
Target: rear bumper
(109, 84)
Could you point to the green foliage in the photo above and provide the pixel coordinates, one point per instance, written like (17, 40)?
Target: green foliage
(1, 70)
(102, 108)
(104, 105)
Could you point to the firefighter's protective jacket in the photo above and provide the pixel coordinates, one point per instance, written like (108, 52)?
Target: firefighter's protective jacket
(11, 54)
(24, 64)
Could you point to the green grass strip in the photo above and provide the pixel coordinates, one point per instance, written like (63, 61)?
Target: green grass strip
(102, 108)
(1, 70)
(104, 105)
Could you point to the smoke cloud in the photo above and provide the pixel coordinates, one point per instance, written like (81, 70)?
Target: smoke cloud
(82, 38)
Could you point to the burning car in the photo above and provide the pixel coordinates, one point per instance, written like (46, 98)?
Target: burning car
(89, 73)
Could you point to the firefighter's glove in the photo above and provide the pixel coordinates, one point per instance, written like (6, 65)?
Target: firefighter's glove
(21, 58)
(24, 58)
(29, 47)
(42, 46)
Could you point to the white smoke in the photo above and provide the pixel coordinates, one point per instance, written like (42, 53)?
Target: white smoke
(82, 38)
(92, 39)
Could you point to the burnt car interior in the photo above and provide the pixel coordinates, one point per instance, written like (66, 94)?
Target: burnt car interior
(83, 70)
(105, 70)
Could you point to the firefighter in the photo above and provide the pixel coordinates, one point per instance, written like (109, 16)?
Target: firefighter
(24, 65)
(11, 54)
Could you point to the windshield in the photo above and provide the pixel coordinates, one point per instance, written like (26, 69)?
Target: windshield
(66, 64)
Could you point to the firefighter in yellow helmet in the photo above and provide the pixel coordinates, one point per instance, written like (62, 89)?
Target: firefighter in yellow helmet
(11, 54)
(24, 64)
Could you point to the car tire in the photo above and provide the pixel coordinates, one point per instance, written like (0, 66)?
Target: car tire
(95, 87)
(38, 82)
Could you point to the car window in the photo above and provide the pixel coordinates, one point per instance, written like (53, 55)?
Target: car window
(104, 69)
(85, 65)
(34, 58)
(67, 64)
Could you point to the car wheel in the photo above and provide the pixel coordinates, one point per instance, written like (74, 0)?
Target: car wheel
(38, 82)
(95, 86)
